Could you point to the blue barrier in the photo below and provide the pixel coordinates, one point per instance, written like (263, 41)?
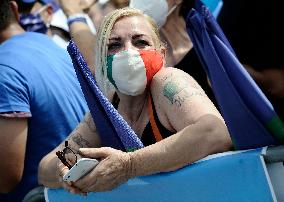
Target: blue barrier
(230, 176)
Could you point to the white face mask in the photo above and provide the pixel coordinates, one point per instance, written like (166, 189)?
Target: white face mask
(157, 9)
(130, 71)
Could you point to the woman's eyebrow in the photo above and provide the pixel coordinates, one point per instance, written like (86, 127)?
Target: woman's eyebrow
(115, 38)
(139, 36)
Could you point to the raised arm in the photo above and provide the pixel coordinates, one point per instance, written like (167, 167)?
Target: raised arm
(80, 32)
(84, 136)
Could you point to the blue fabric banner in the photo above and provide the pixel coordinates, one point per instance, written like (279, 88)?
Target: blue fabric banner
(112, 128)
(249, 115)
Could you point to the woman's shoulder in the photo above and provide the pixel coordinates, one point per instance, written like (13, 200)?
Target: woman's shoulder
(167, 70)
(171, 90)
(169, 80)
(169, 74)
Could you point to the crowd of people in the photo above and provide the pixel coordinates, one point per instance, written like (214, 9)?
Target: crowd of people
(142, 58)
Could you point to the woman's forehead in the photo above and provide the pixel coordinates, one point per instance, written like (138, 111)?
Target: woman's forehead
(132, 25)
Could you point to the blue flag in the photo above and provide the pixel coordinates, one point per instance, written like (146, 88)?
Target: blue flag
(112, 128)
(250, 117)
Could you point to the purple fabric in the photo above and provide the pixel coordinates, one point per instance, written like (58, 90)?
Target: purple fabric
(16, 114)
(112, 128)
(33, 23)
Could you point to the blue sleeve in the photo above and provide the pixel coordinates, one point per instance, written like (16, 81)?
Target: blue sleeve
(14, 91)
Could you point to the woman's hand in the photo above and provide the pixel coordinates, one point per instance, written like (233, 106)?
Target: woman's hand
(70, 7)
(62, 170)
(75, 6)
(113, 170)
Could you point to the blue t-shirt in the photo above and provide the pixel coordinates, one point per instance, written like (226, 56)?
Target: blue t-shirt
(37, 77)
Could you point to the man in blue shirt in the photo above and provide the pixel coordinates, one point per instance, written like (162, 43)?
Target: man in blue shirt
(40, 102)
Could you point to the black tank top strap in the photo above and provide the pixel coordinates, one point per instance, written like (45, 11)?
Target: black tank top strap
(115, 100)
(149, 135)
(154, 130)
(155, 123)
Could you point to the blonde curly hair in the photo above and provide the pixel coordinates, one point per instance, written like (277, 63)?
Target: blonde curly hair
(103, 36)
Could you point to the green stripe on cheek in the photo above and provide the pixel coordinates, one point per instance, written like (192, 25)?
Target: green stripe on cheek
(109, 69)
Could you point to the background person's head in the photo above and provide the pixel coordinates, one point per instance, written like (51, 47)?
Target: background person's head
(159, 10)
(141, 21)
(7, 16)
(170, 16)
(36, 15)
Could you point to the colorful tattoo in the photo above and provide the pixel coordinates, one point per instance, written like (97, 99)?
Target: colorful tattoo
(178, 92)
(167, 77)
(179, 99)
(170, 90)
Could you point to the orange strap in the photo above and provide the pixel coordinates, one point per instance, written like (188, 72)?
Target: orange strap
(155, 128)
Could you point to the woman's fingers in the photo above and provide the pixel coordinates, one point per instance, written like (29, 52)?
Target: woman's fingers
(97, 153)
(112, 170)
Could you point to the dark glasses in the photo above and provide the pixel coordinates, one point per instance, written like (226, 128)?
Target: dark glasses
(67, 156)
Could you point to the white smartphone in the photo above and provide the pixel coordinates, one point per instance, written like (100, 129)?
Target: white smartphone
(81, 168)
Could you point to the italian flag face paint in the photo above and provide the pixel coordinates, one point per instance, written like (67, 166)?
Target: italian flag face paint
(130, 71)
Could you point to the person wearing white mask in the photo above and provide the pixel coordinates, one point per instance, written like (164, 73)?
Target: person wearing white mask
(159, 10)
(130, 57)
(166, 14)
(170, 15)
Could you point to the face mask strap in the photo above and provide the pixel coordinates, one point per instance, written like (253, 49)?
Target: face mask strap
(39, 11)
(172, 10)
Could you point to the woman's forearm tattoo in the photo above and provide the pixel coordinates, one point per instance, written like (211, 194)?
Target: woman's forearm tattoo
(89, 122)
(80, 141)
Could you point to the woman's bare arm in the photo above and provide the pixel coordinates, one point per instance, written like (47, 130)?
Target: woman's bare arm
(184, 107)
(181, 106)
(80, 32)
(84, 136)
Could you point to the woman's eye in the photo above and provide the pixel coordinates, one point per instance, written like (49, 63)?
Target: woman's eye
(114, 46)
(141, 43)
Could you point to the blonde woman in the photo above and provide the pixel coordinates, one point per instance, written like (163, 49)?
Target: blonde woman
(130, 70)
